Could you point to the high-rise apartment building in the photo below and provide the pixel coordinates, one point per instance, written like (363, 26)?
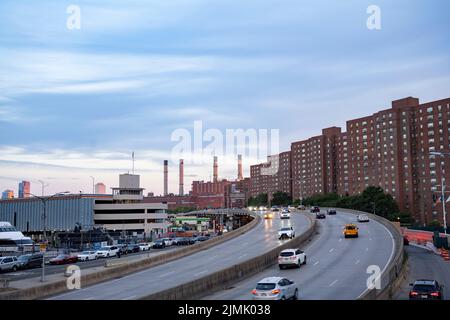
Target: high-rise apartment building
(24, 189)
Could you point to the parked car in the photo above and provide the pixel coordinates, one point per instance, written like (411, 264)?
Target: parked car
(320, 215)
(159, 244)
(184, 241)
(9, 264)
(63, 259)
(144, 246)
(108, 251)
(28, 261)
(286, 232)
(331, 212)
(275, 288)
(362, 218)
(133, 248)
(88, 255)
(168, 241)
(291, 257)
(122, 248)
(426, 290)
(315, 209)
(202, 238)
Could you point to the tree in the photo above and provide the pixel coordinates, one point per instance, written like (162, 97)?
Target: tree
(281, 199)
(259, 200)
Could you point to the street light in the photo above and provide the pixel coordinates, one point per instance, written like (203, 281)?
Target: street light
(444, 213)
(44, 217)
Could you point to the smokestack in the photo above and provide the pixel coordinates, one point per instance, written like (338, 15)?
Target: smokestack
(240, 175)
(166, 173)
(215, 170)
(181, 177)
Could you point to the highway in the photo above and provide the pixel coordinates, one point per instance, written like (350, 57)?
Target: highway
(336, 267)
(262, 238)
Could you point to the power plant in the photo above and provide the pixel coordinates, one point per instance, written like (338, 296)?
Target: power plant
(215, 170)
(166, 177)
(240, 174)
(181, 191)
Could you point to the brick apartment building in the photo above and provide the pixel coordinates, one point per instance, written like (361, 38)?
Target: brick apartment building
(390, 149)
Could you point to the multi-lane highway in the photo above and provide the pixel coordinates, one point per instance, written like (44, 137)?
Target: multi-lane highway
(262, 238)
(336, 267)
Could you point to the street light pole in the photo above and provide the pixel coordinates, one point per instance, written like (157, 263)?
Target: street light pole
(444, 213)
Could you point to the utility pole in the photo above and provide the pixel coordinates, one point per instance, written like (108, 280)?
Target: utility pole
(443, 200)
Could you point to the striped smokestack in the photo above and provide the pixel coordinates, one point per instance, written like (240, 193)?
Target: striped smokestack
(215, 170)
(181, 177)
(240, 175)
(166, 174)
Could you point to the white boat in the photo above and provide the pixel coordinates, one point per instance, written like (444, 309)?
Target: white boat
(13, 240)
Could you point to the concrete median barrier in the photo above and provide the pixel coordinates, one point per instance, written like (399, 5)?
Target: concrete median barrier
(118, 269)
(224, 278)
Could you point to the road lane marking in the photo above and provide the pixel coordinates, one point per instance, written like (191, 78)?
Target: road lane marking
(340, 239)
(316, 263)
(367, 249)
(331, 250)
(333, 283)
(357, 261)
(165, 274)
(244, 255)
(370, 239)
(201, 272)
(213, 257)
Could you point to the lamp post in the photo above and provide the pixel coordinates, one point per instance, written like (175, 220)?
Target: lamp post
(44, 218)
(444, 213)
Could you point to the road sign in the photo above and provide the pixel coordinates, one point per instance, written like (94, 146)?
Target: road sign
(42, 247)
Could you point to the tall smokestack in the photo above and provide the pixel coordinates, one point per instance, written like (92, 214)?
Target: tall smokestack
(166, 173)
(181, 177)
(240, 175)
(215, 170)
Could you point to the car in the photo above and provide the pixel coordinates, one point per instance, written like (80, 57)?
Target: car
(315, 209)
(426, 290)
(291, 257)
(320, 215)
(28, 261)
(275, 288)
(286, 232)
(159, 244)
(181, 241)
(9, 263)
(286, 210)
(331, 212)
(133, 248)
(268, 215)
(63, 259)
(109, 251)
(144, 246)
(122, 248)
(285, 215)
(362, 218)
(301, 207)
(87, 255)
(350, 231)
(202, 238)
(168, 241)
(275, 210)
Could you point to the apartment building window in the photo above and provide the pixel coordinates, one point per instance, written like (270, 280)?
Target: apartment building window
(430, 109)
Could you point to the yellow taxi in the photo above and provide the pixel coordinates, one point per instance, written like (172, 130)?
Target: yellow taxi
(268, 215)
(350, 231)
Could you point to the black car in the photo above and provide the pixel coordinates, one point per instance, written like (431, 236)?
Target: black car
(123, 248)
(29, 261)
(331, 212)
(181, 241)
(320, 215)
(132, 248)
(159, 244)
(202, 238)
(315, 209)
(426, 290)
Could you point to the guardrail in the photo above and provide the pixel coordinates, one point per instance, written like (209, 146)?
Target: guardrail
(60, 286)
(393, 273)
(223, 278)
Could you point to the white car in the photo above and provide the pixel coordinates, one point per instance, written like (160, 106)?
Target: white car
(167, 241)
(9, 264)
(285, 215)
(291, 257)
(363, 218)
(87, 255)
(275, 288)
(108, 251)
(286, 232)
(144, 246)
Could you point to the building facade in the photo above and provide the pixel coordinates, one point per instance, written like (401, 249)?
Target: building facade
(24, 189)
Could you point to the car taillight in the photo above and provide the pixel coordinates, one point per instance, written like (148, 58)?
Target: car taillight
(413, 293)
(435, 294)
(254, 291)
(276, 291)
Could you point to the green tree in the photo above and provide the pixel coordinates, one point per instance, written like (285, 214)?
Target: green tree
(259, 200)
(281, 199)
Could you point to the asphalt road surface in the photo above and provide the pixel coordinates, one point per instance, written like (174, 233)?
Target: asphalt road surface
(262, 238)
(336, 267)
(424, 264)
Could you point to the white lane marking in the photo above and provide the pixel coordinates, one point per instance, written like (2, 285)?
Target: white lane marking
(357, 261)
(331, 250)
(243, 255)
(333, 283)
(367, 249)
(340, 239)
(213, 257)
(165, 274)
(316, 263)
(370, 239)
(129, 298)
(201, 272)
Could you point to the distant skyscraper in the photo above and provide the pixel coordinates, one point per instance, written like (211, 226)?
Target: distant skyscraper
(100, 188)
(7, 194)
(24, 189)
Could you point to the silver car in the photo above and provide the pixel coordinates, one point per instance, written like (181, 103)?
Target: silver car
(275, 288)
(9, 264)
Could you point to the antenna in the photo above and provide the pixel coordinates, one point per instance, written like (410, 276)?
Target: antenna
(132, 156)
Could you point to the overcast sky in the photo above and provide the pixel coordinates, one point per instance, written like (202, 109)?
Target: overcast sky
(76, 103)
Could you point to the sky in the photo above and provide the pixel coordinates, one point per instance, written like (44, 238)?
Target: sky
(76, 103)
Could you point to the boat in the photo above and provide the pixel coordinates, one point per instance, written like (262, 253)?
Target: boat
(12, 240)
